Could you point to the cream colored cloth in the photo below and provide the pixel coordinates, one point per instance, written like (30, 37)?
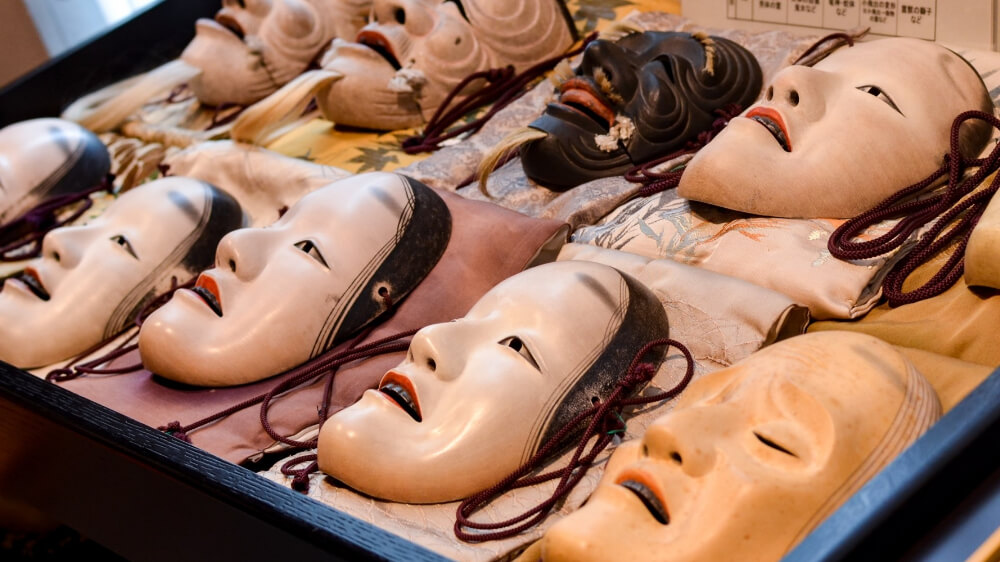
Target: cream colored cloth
(786, 255)
(722, 320)
(982, 255)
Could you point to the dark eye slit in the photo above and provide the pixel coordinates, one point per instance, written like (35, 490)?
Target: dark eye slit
(773, 445)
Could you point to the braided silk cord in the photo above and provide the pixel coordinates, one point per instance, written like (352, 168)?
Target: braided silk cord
(605, 422)
(32, 226)
(952, 206)
(502, 85)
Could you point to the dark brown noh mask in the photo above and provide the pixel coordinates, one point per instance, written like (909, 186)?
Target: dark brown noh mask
(631, 100)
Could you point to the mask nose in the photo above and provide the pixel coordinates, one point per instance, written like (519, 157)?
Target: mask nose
(680, 438)
(615, 63)
(414, 16)
(66, 246)
(242, 253)
(426, 352)
(799, 90)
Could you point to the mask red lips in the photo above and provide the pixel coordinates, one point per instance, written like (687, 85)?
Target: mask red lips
(772, 121)
(206, 288)
(648, 492)
(33, 281)
(378, 43)
(400, 391)
(580, 95)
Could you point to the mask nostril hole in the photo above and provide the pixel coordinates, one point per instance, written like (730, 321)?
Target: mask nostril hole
(793, 98)
(400, 15)
(770, 93)
(232, 266)
(431, 365)
(676, 457)
(645, 451)
(55, 256)
(383, 292)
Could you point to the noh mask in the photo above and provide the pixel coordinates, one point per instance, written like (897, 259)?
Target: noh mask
(283, 294)
(631, 100)
(754, 456)
(403, 64)
(477, 397)
(91, 281)
(253, 47)
(835, 139)
(41, 158)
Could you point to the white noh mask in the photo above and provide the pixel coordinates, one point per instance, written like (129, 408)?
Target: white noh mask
(40, 158)
(477, 397)
(405, 62)
(835, 139)
(283, 294)
(754, 456)
(92, 280)
(253, 47)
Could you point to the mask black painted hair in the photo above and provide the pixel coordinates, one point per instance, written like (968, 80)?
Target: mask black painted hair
(668, 84)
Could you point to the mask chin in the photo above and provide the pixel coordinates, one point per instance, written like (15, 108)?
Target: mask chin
(568, 156)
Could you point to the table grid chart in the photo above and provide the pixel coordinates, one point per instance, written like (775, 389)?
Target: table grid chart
(904, 18)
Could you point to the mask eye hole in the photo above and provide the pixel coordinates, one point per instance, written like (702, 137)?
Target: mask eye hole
(878, 93)
(309, 248)
(518, 346)
(774, 445)
(124, 243)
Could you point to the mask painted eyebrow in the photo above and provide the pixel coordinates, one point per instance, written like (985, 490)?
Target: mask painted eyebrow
(124, 243)
(518, 345)
(461, 8)
(309, 248)
(880, 94)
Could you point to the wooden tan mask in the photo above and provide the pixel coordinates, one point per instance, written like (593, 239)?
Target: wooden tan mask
(835, 139)
(753, 456)
(91, 281)
(40, 158)
(476, 397)
(405, 62)
(253, 47)
(283, 294)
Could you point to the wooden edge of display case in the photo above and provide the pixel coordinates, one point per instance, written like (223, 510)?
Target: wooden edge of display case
(143, 42)
(149, 496)
(946, 479)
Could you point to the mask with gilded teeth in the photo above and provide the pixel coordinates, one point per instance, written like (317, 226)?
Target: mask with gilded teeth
(253, 47)
(477, 397)
(92, 280)
(632, 100)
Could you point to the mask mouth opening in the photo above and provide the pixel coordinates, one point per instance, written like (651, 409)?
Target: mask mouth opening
(378, 43)
(209, 293)
(580, 95)
(648, 499)
(400, 390)
(232, 24)
(29, 277)
(772, 121)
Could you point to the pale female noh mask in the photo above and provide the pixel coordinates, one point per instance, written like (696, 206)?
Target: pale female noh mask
(404, 63)
(835, 139)
(634, 99)
(753, 457)
(283, 294)
(253, 47)
(92, 280)
(42, 158)
(477, 397)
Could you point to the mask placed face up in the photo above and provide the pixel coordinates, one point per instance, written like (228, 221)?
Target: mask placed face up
(41, 158)
(283, 294)
(835, 139)
(476, 397)
(660, 89)
(91, 280)
(253, 47)
(753, 457)
(404, 63)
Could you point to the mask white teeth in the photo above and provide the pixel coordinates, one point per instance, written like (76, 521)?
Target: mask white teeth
(649, 499)
(402, 397)
(774, 129)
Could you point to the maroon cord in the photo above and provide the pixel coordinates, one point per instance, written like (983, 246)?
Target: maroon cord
(845, 38)
(73, 369)
(655, 182)
(948, 206)
(605, 421)
(502, 85)
(32, 226)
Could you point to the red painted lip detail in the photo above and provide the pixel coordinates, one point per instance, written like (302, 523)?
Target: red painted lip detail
(772, 115)
(232, 24)
(380, 44)
(647, 489)
(392, 377)
(581, 92)
(207, 284)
